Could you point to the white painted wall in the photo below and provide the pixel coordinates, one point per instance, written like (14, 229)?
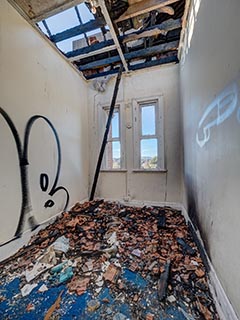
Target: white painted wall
(138, 185)
(34, 79)
(211, 167)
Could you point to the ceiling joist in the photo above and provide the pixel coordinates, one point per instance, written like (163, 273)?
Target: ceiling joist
(162, 28)
(108, 45)
(151, 39)
(168, 59)
(113, 33)
(139, 54)
(75, 31)
(143, 7)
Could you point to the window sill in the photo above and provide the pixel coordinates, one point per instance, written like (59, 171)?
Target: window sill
(150, 170)
(113, 170)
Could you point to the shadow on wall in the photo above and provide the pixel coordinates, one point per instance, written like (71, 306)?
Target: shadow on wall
(22, 151)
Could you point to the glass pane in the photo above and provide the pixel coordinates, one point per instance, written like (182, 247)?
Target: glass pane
(115, 125)
(113, 155)
(148, 120)
(149, 153)
(63, 21)
(116, 154)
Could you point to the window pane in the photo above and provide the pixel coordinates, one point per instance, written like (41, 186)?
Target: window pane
(149, 153)
(115, 125)
(113, 155)
(116, 154)
(148, 120)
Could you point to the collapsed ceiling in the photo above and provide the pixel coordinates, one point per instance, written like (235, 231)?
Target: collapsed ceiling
(135, 33)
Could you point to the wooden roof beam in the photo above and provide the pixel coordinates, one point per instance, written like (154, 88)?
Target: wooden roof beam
(162, 28)
(109, 45)
(170, 59)
(142, 53)
(75, 31)
(113, 33)
(144, 6)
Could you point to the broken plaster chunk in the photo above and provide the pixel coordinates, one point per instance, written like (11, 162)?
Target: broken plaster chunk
(98, 290)
(171, 299)
(37, 269)
(153, 265)
(195, 263)
(49, 256)
(61, 244)
(112, 239)
(89, 265)
(43, 288)
(27, 289)
(137, 253)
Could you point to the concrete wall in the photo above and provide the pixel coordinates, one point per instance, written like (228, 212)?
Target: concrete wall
(35, 80)
(210, 91)
(149, 186)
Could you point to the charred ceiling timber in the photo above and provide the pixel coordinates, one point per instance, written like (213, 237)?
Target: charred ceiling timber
(169, 59)
(81, 29)
(132, 55)
(143, 7)
(163, 28)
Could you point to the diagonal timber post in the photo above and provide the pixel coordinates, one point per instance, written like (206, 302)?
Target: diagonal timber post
(104, 142)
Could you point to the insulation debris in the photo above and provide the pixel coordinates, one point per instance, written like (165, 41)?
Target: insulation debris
(107, 261)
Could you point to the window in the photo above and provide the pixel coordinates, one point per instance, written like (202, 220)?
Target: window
(114, 152)
(148, 134)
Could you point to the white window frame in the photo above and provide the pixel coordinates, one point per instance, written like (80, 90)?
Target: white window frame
(159, 134)
(102, 120)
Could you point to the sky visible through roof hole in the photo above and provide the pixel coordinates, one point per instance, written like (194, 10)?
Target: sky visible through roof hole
(66, 20)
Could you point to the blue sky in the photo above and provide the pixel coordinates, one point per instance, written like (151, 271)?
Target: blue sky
(148, 146)
(66, 20)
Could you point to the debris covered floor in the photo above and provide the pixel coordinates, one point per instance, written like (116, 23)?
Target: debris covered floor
(103, 260)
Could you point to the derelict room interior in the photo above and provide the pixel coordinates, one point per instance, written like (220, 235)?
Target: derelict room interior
(120, 156)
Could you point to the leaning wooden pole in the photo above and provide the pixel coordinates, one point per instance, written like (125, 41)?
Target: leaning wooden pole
(104, 142)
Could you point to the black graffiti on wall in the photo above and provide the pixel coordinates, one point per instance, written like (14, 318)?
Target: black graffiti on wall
(22, 151)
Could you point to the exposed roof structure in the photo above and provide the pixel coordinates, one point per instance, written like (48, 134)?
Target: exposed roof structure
(104, 34)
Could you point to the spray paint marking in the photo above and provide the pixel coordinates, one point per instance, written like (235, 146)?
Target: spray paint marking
(217, 112)
(22, 151)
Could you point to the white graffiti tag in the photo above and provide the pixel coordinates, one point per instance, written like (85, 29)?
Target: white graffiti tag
(217, 112)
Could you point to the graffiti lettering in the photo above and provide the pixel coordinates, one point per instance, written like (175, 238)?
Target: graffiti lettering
(217, 112)
(22, 151)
